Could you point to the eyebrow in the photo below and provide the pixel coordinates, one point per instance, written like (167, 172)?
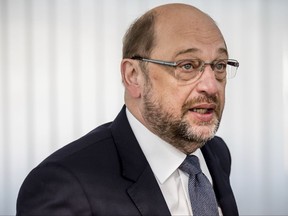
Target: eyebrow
(223, 50)
(190, 50)
(195, 50)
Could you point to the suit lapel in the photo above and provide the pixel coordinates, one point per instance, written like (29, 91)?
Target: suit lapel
(221, 183)
(147, 196)
(144, 191)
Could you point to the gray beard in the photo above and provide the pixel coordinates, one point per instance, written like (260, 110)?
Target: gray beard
(177, 132)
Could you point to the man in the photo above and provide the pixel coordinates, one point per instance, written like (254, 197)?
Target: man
(174, 70)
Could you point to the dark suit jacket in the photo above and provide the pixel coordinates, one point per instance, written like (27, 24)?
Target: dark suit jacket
(106, 173)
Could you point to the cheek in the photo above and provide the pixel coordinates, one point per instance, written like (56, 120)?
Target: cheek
(222, 96)
(167, 95)
(172, 98)
(222, 88)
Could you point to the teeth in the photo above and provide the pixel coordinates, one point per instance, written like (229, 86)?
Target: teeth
(200, 110)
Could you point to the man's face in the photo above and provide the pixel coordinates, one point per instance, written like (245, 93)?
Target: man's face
(185, 115)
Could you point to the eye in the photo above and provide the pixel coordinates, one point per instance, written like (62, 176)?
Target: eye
(190, 65)
(220, 66)
(187, 66)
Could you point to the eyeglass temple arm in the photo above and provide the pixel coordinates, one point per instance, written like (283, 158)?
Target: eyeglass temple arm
(172, 64)
(233, 63)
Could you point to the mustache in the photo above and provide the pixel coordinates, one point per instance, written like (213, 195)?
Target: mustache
(199, 100)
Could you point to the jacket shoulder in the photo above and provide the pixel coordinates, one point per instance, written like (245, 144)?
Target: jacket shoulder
(91, 140)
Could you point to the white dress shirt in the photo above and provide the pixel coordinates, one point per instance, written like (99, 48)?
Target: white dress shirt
(164, 160)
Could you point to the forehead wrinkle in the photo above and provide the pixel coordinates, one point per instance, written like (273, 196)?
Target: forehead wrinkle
(196, 50)
(190, 50)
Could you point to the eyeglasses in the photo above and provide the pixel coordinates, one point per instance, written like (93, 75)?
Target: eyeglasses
(189, 70)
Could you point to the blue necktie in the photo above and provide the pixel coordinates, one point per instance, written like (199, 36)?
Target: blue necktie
(202, 197)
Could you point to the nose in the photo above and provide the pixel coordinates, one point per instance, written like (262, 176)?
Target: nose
(207, 83)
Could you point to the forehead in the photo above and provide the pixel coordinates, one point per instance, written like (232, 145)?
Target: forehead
(221, 51)
(186, 31)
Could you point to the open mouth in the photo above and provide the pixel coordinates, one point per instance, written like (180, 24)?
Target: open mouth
(202, 115)
(202, 110)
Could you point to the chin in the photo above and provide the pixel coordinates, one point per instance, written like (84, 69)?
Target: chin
(203, 133)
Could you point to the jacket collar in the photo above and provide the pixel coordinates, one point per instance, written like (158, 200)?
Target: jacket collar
(144, 190)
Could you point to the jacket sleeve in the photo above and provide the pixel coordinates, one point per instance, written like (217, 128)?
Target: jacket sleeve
(52, 190)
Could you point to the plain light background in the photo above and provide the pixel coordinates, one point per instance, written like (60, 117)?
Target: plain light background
(60, 78)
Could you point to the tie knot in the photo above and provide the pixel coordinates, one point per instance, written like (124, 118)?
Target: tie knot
(191, 165)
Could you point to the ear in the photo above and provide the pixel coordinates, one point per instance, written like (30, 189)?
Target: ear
(131, 77)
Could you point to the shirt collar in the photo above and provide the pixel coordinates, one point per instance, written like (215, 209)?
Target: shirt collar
(162, 157)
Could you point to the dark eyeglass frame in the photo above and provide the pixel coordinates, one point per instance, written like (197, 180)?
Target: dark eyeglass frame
(219, 62)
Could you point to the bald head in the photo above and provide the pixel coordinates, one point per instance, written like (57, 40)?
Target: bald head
(178, 14)
(172, 11)
(167, 23)
(183, 23)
